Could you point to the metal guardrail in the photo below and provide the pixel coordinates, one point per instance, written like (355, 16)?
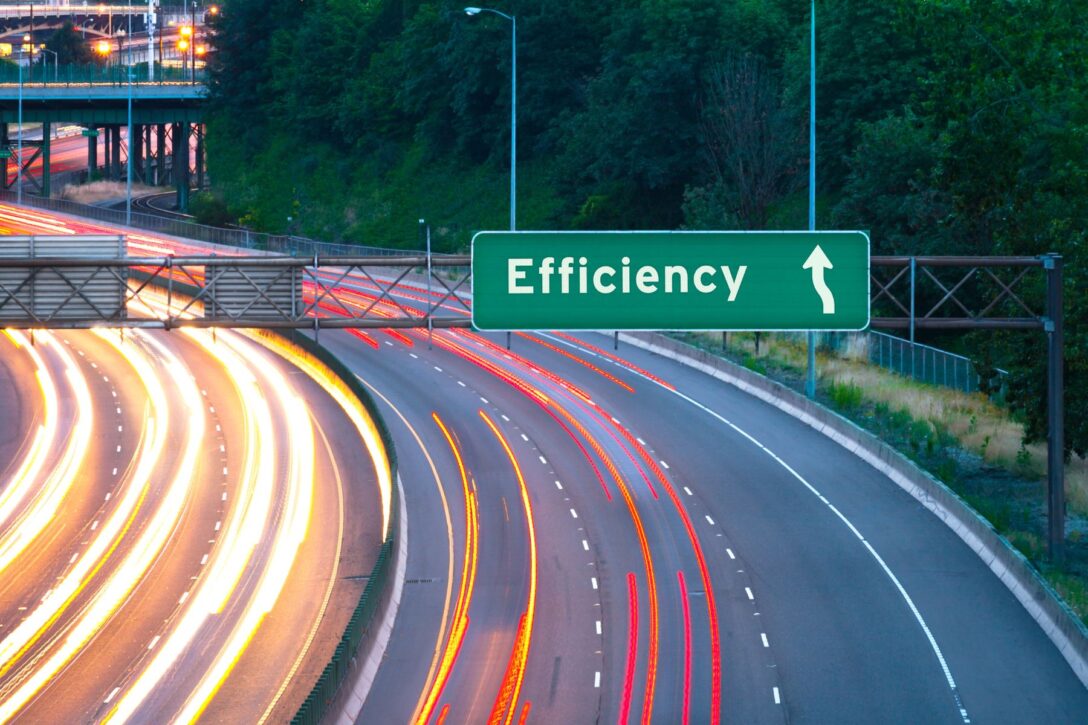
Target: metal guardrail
(240, 238)
(926, 364)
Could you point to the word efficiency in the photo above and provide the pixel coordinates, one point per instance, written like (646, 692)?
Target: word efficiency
(525, 277)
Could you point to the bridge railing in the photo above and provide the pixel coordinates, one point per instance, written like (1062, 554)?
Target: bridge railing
(46, 74)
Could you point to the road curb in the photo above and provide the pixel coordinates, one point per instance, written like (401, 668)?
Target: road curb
(1038, 598)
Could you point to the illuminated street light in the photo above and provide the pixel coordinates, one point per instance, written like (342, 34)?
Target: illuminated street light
(186, 30)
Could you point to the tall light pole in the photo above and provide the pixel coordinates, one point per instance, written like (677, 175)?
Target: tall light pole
(151, 23)
(128, 183)
(513, 107)
(19, 154)
(56, 63)
(810, 382)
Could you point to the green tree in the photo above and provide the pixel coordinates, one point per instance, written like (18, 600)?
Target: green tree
(70, 47)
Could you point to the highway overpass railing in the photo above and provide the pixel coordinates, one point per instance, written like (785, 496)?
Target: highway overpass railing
(269, 292)
(49, 75)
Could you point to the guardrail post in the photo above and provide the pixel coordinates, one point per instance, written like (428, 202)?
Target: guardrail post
(1055, 409)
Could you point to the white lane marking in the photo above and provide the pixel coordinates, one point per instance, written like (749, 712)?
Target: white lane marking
(414, 355)
(118, 411)
(116, 689)
(225, 470)
(154, 642)
(105, 378)
(598, 626)
(763, 635)
(880, 561)
(574, 513)
(204, 560)
(585, 544)
(114, 473)
(211, 408)
(389, 343)
(118, 449)
(461, 384)
(484, 400)
(688, 491)
(94, 526)
(73, 559)
(593, 581)
(120, 429)
(640, 441)
(438, 368)
(777, 697)
(710, 520)
(80, 353)
(114, 393)
(597, 680)
(224, 496)
(525, 437)
(748, 591)
(218, 524)
(183, 597)
(222, 448)
(218, 429)
(666, 465)
(614, 420)
(543, 460)
(505, 418)
(559, 485)
(731, 554)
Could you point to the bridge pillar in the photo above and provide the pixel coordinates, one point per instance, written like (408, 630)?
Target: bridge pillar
(161, 170)
(107, 142)
(181, 164)
(145, 140)
(136, 148)
(5, 144)
(92, 154)
(116, 149)
(47, 132)
(200, 156)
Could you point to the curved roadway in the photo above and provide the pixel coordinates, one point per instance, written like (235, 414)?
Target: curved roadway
(616, 537)
(174, 537)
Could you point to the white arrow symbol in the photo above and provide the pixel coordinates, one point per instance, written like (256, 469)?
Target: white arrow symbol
(818, 262)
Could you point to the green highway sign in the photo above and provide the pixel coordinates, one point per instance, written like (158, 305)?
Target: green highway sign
(670, 280)
(5, 153)
(90, 132)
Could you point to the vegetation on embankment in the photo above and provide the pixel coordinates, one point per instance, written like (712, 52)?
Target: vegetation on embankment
(955, 127)
(973, 446)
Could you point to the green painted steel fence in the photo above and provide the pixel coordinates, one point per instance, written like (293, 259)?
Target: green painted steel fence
(47, 74)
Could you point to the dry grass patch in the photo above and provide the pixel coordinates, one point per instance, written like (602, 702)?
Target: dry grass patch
(99, 191)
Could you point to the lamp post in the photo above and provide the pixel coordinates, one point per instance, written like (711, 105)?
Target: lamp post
(19, 154)
(513, 107)
(192, 55)
(56, 62)
(128, 182)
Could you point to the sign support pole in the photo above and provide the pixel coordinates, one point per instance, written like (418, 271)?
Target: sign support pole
(1055, 409)
(810, 380)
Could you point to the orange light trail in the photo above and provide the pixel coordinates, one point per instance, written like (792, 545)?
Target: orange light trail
(520, 655)
(580, 361)
(468, 580)
(632, 649)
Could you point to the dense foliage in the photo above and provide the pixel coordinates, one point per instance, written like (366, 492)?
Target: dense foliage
(945, 126)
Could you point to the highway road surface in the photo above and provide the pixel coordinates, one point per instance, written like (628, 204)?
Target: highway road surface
(175, 537)
(600, 536)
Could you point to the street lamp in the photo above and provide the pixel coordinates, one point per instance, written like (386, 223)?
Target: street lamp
(810, 379)
(513, 106)
(103, 48)
(56, 62)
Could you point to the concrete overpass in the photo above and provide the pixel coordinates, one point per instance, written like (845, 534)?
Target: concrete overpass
(167, 118)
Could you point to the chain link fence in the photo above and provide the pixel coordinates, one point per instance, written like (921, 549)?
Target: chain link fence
(922, 363)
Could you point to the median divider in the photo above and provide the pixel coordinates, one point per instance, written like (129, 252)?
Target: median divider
(1057, 620)
(377, 604)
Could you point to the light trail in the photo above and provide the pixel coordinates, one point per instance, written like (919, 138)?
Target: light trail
(131, 569)
(520, 656)
(468, 580)
(43, 507)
